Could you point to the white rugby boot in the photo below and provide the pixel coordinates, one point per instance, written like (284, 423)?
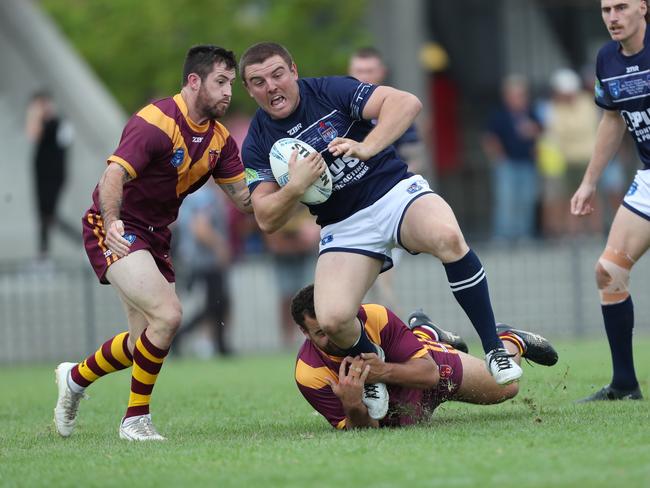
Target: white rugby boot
(67, 403)
(375, 395)
(139, 428)
(501, 366)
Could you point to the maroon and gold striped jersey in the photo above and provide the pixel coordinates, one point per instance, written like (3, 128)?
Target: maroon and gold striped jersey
(407, 405)
(168, 156)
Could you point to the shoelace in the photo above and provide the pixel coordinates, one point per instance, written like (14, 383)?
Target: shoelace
(502, 359)
(145, 427)
(71, 404)
(371, 391)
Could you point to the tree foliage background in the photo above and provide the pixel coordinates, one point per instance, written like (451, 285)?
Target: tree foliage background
(137, 47)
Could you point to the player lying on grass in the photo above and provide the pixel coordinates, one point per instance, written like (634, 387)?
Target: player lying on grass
(424, 367)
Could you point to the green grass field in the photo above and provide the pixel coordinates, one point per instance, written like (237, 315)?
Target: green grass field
(242, 423)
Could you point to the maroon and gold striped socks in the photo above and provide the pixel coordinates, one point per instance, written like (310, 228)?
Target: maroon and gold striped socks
(513, 338)
(147, 361)
(112, 356)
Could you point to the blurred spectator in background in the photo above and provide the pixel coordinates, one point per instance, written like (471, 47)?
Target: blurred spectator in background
(367, 65)
(51, 135)
(204, 251)
(245, 236)
(570, 127)
(509, 142)
(293, 249)
(613, 180)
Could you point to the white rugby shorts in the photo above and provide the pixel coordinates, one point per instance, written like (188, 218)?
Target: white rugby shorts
(637, 198)
(375, 230)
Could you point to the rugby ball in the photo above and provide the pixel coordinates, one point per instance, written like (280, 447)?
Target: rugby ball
(279, 156)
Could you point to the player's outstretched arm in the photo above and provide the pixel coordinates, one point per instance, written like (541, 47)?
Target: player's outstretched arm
(608, 139)
(111, 187)
(420, 373)
(273, 206)
(394, 110)
(239, 195)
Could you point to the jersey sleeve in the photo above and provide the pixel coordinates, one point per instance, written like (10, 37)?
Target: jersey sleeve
(602, 96)
(345, 93)
(229, 168)
(256, 162)
(311, 383)
(398, 342)
(141, 142)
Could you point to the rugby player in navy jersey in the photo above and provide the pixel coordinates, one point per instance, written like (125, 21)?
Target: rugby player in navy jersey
(376, 204)
(424, 366)
(623, 91)
(168, 149)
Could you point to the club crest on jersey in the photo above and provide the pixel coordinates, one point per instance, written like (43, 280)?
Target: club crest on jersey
(327, 131)
(213, 155)
(615, 88)
(414, 188)
(177, 157)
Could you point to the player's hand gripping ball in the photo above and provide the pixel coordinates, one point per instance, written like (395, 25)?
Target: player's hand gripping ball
(279, 156)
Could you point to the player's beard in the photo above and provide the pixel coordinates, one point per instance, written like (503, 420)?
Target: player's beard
(334, 350)
(209, 108)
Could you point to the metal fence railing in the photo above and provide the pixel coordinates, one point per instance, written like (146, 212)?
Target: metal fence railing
(60, 312)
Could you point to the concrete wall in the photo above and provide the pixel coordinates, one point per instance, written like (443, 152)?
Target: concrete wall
(34, 55)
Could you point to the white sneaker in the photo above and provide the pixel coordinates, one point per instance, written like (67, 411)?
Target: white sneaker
(500, 365)
(375, 395)
(139, 428)
(67, 404)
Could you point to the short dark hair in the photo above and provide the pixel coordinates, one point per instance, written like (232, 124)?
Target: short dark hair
(260, 52)
(368, 52)
(202, 58)
(41, 95)
(302, 304)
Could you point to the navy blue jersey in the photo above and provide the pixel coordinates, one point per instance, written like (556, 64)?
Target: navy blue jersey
(329, 107)
(623, 84)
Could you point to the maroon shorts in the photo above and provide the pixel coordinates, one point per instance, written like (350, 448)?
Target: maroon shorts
(450, 368)
(408, 406)
(157, 242)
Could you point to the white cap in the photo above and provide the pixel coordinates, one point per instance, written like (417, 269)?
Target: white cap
(565, 81)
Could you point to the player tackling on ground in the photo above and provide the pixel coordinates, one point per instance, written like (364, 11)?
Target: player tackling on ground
(424, 367)
(168, 150)
(376, 204)
(622, 89)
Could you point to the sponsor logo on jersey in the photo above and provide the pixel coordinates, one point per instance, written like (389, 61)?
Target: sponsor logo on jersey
(108, 253)
(213, 154)
(326, 239)
(598, 90)
(631, 69)
(327, 131)
(294, 129)
(414, 188)
(614, 88)
(177, 157)
(632, 190)
(252, 176)
(197, 139)
(130, 237)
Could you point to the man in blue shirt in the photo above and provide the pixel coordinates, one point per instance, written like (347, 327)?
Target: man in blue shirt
(622, 90)
(376, 204)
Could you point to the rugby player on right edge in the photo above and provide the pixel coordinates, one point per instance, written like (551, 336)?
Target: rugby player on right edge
(425, 366)
(622, 90)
